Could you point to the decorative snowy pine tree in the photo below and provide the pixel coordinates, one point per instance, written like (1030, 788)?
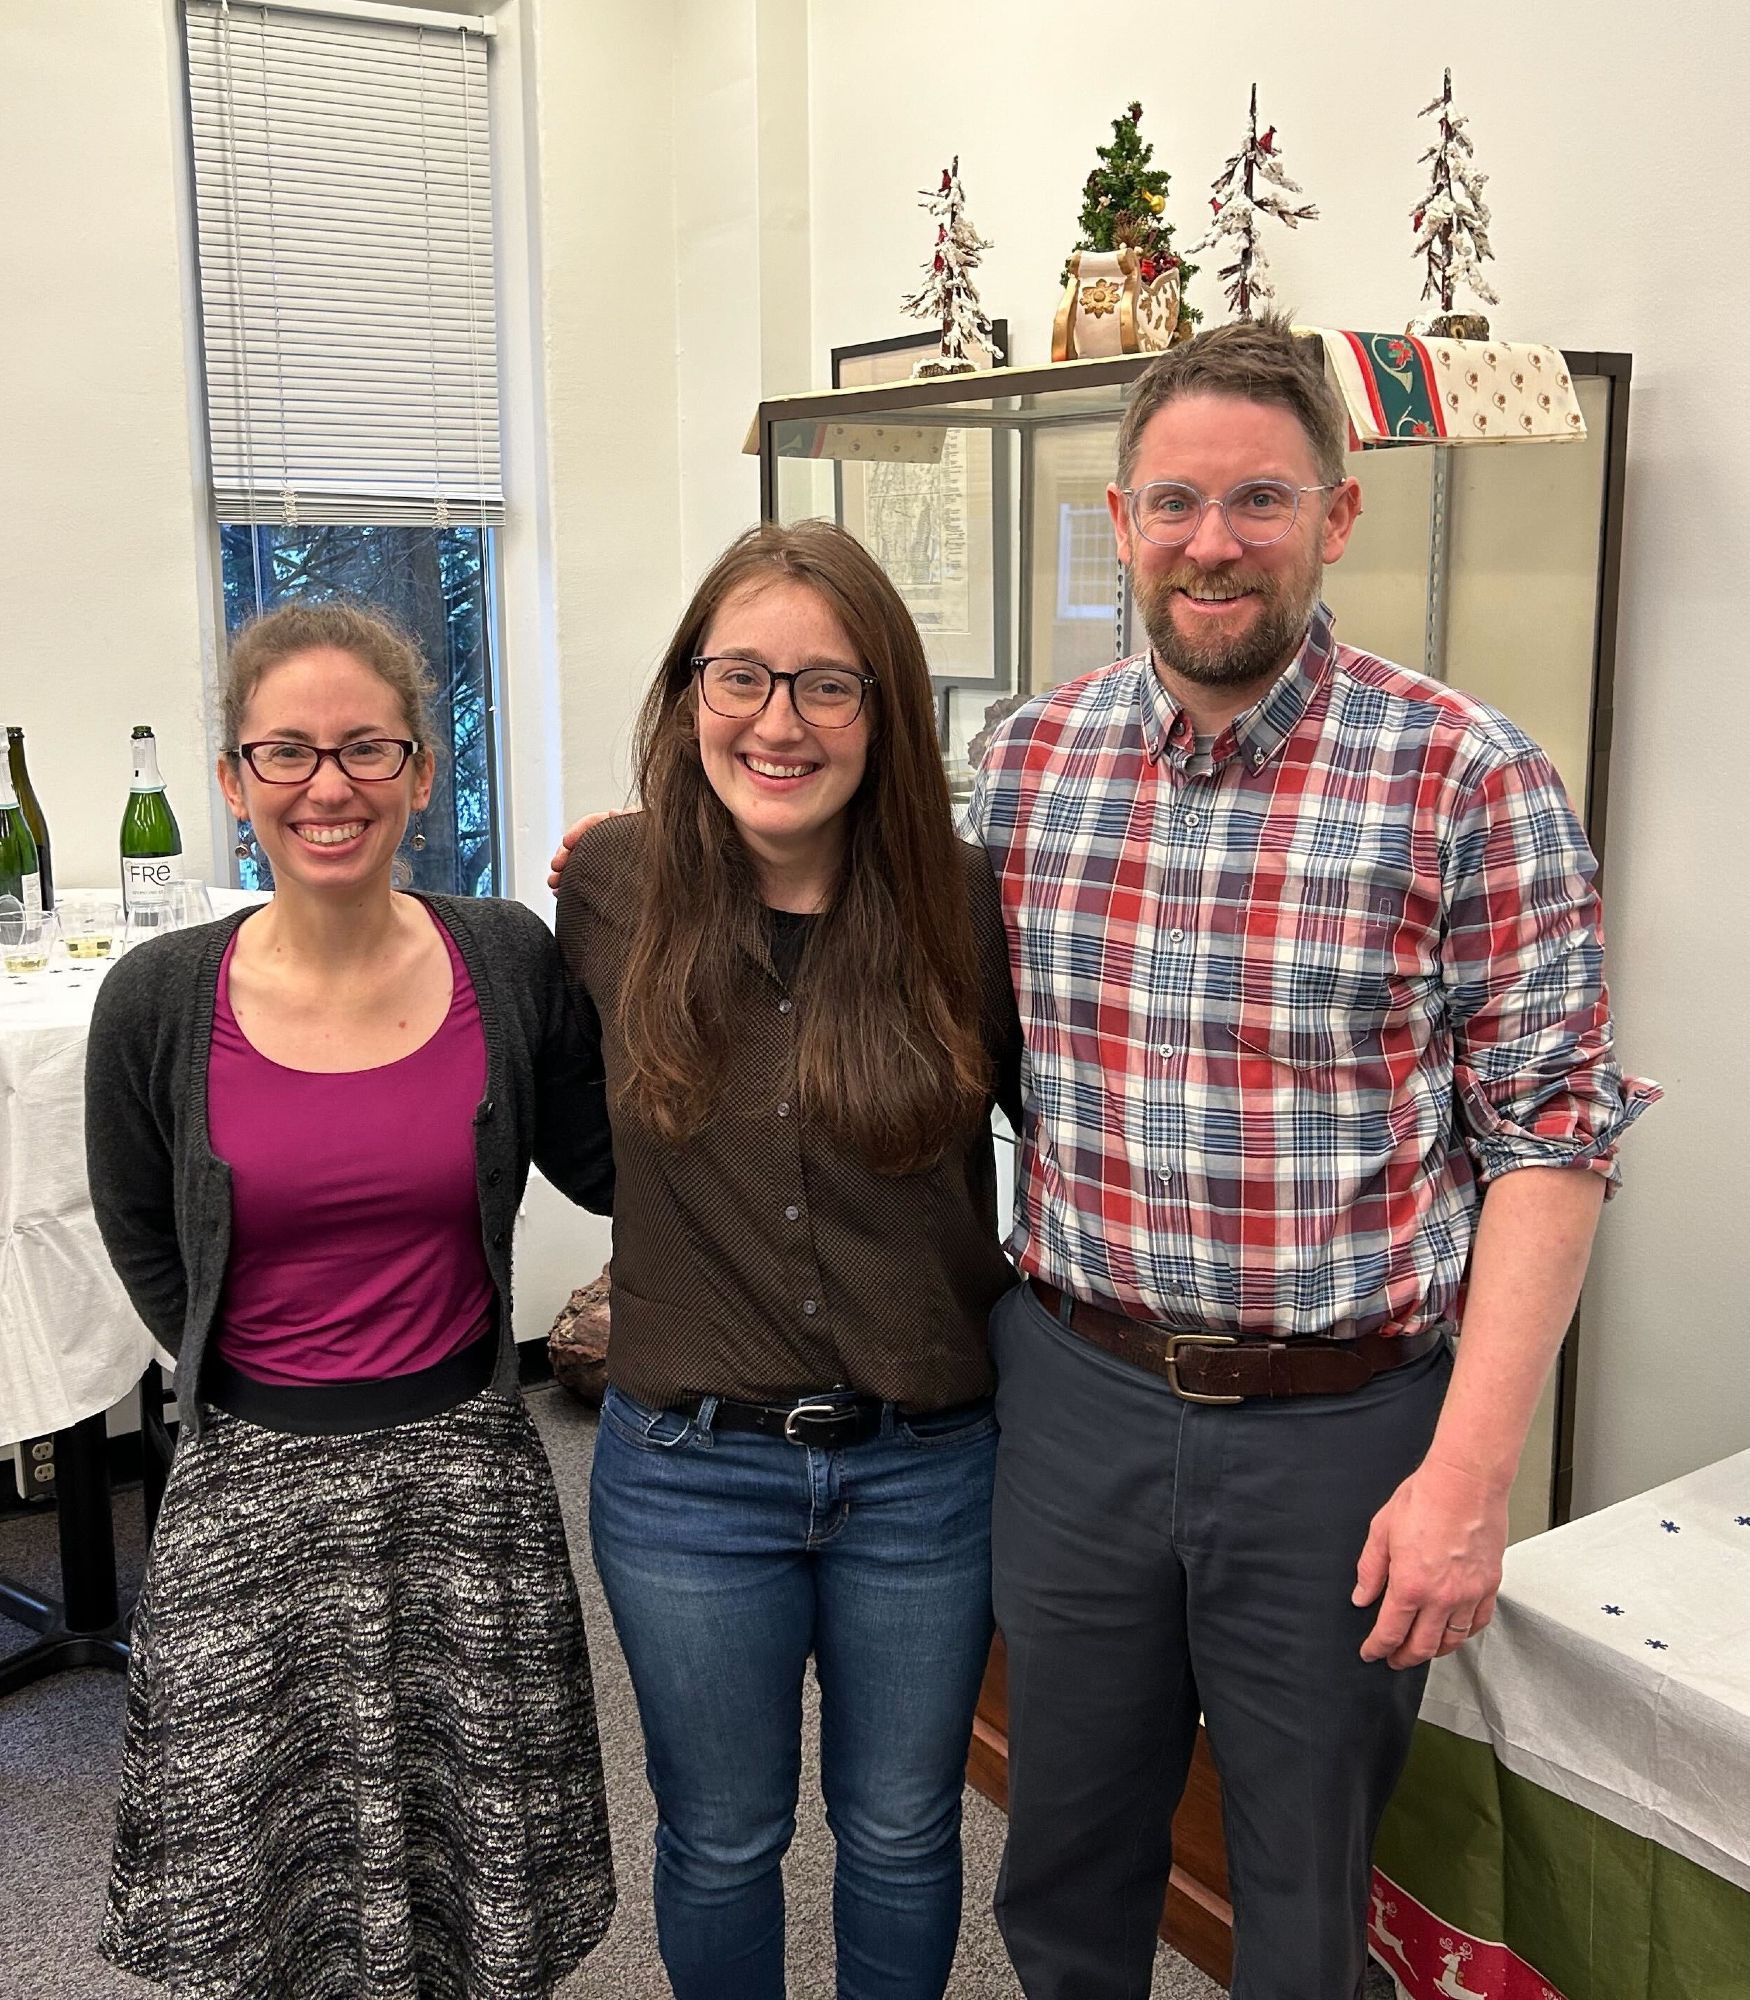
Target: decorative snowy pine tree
(1123, 207)
(948, 294)
(1252, 185)
(1451, 222)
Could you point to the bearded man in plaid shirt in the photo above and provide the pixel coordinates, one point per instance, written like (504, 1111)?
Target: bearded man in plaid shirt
(1318, 1073)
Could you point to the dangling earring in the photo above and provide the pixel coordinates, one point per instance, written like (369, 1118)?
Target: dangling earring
(245, 840)
(417, 843)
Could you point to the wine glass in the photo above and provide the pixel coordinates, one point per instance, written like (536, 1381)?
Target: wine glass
(190, 904)
(89, 922)
(148, 917)
(27, 937)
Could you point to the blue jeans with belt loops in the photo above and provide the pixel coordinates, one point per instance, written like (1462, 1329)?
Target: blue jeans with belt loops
(727, 1559)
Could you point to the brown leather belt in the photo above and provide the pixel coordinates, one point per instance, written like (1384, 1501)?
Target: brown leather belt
(1221, 1368)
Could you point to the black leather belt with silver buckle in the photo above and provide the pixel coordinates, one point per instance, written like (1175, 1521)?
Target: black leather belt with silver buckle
(828, 1422)
(1222, 1368)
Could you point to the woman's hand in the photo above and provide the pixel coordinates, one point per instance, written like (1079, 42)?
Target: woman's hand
(567, 841)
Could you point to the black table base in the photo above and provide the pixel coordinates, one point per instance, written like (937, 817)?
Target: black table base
(87, 1626)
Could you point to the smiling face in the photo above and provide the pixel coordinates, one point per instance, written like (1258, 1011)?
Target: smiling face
(786, 783)
(327, 834)
(1222, 614)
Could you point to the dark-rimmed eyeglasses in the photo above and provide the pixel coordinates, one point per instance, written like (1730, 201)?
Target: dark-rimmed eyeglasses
(369, 761)
(1258, 512)
(826, 697)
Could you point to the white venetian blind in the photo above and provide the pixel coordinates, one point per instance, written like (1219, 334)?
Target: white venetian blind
(344, 219)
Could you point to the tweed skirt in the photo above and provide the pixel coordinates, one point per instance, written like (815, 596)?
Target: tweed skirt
(361, 1753)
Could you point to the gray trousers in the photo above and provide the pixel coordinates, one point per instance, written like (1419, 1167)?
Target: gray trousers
(1154, 1559)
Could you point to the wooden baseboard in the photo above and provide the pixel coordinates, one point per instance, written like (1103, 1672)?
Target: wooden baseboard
(1197, 1919)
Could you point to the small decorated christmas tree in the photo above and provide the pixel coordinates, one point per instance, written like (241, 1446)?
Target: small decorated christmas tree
(1252, 185)
(1124, 201)
(1451, 222)
(948, 294)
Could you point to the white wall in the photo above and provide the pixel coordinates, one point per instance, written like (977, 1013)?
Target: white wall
(1590, 120)
(100, 564)
(720, 190)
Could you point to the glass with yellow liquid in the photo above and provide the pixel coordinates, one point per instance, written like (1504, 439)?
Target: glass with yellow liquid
(89, 925)
(27, 939)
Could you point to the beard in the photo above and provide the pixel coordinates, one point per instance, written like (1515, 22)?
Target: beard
(1213, 659)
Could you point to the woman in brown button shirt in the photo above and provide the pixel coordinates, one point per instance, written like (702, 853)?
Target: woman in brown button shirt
(804, 992)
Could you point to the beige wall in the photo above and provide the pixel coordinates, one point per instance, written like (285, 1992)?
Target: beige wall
(1587, 118)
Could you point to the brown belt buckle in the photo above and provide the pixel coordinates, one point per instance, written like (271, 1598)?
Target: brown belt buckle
(1177, 1340)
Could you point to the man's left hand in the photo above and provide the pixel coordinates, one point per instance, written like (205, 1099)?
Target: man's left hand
(1434, 1549)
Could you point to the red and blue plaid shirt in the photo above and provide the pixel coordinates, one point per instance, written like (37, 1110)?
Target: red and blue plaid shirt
(1292, 997)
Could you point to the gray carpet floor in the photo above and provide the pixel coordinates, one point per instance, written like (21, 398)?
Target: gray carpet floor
(59, 1755)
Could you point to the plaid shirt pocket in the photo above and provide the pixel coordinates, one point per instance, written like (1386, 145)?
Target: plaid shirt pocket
(1313, 973)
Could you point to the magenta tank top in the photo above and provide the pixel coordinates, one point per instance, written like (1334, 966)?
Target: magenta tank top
(355, 1220)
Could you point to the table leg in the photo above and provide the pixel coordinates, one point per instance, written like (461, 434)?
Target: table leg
(86, 1629)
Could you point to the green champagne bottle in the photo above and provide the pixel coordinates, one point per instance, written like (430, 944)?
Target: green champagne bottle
(31, 806)
(20, 871)
(151, 843)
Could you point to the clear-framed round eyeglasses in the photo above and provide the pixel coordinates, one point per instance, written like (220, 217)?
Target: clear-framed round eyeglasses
(826, 697)
(1258, 512)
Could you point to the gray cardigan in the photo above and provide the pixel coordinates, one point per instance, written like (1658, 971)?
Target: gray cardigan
(163, 1198)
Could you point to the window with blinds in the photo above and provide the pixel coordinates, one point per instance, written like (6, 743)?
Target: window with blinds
(342, 180)
(343, 191)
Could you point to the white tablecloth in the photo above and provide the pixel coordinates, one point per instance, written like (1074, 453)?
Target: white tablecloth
(1617, 1670)
(70, 1343)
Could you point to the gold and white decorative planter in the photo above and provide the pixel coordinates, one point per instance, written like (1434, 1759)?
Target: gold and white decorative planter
(1109, 308)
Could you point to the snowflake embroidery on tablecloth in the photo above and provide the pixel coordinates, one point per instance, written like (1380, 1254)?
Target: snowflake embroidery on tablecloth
(1658, 1645)
(1613, 1610)
(1671, 1527)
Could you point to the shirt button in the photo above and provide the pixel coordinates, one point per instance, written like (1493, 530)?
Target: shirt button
(783, 1111)
(1191, 819)
(783, 1006)
(811, 1307)
(791, 1213)
(494, 1177)
(1166, 1049)
(1163, 1175)
(1177, 935)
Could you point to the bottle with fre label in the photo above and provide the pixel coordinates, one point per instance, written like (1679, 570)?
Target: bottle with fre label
(151, 843)
(20, 871)
(31, 806)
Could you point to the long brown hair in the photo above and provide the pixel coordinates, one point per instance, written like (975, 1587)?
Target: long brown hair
(889, 1052)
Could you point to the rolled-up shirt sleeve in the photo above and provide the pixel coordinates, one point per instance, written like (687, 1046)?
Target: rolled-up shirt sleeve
(1534, 1064)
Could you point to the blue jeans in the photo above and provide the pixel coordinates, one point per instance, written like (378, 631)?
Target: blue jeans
(728, 1558)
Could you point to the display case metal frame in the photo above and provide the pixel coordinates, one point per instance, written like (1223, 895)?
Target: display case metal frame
(1028, 400)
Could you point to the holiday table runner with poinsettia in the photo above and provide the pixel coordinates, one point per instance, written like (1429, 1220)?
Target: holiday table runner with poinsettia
(1574, 1823)
(1410, 389)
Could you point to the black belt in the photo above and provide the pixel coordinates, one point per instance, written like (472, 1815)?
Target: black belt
(829, 1422)
(1223, 1368)
(342, 1409)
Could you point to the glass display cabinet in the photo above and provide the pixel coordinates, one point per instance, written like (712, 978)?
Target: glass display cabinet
(1493, 567)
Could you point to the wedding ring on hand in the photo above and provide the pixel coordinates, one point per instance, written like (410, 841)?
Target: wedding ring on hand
(1451, 1626)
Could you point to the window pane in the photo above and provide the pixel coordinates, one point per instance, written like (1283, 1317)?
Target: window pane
(436, 581)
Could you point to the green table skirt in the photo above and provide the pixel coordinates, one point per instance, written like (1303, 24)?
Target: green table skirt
(1486, 1884)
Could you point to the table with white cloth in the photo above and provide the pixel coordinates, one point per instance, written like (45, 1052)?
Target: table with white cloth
(1574, 1823)
(71, 1345)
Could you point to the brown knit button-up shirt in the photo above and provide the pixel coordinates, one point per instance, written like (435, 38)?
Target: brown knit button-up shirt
(763, 1259)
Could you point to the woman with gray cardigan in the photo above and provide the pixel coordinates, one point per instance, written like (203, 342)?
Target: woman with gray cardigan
(361, 1751)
